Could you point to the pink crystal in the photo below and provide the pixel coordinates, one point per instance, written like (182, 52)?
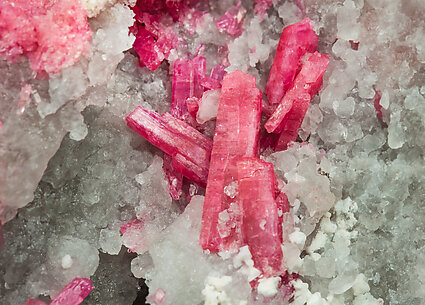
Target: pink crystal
(175, 179)
(189, 148)
(261, 6)
(236, 135)
(296, 40)
(306, 85)
(377, 105)
(261, 225)
(187, 76)
(214, 80)
(34, 302)
(159, 296)
(231, 21)
(53, 35)
(192, 104)
(74, 293)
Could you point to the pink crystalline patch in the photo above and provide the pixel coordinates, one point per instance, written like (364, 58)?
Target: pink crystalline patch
(53, 35)
(231, 21)
(377, 105)
(74, 293)
(133, 235)
(261, 6)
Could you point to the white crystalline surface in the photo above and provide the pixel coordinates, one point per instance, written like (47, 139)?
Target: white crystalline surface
(354, 233)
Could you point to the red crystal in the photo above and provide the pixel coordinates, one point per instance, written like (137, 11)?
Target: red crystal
(214, 80)
(187, 77)
(236, 135)
(192, 104)
(296, 40)
(377, 105)
(189, 148)
(231, 21)
(261, 227)
(34, 302)
(306, 85)
(74, 293)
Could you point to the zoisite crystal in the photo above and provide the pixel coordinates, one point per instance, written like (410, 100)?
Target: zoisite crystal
(190, 150)
(261, 223)
(295, 41)
(236, 135)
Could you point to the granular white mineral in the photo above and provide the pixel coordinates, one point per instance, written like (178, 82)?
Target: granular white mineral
(79, 192)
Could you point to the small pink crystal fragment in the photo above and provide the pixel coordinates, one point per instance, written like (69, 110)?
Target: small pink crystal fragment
(159, 296)
(189, 148)
(296, 40)
(214, 80)
(306, 85)
(187, 77)
(231, 21)
(34, 302)
(377, 105)
(74, 293)
(175, 179)
(236, 135)
(53, 34)
(261, 6)
(192, 104)
(261, 224)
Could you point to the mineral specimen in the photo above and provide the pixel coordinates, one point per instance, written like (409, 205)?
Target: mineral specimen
(74, 293)
(236, 135)
(190, 149)
(231, 21)
(295, 41)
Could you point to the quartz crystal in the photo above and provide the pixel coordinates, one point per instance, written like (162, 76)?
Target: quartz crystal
(295, 41)
(190, 149)
(236, 135)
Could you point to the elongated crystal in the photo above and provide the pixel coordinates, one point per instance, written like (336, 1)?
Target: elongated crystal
(295, 41)
(236, 136)
(261, 224)
(189, 148)
(306, 85)
(74, 293)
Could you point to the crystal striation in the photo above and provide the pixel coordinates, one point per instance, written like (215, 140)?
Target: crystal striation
(190, 149)
(236, 135)
(295, 41)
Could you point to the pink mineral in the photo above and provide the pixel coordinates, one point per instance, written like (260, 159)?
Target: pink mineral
(261, 224)
(296, 40)
(261, 6)
(53, 35)
(34, 302)
(190, 150)
(306, 85)
(159, 296)
(377, 105)
(74, 293)
(231, 21)
(187, 77)
(236, 135)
